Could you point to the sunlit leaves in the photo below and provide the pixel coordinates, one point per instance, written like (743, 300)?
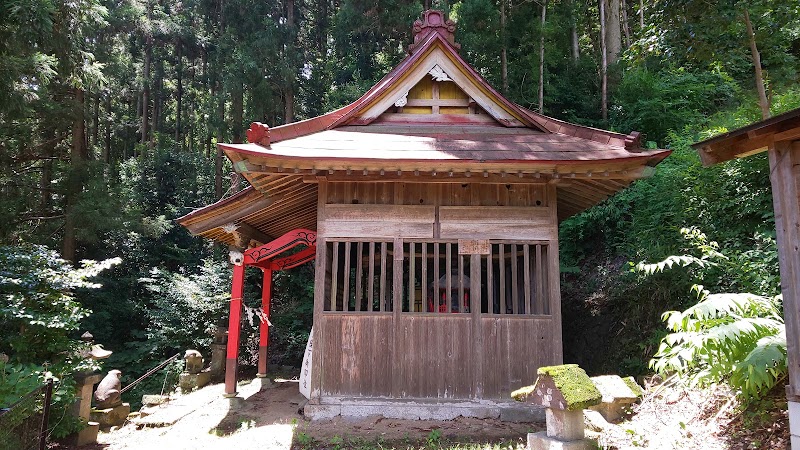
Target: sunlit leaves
(38, 309)
(738, 338)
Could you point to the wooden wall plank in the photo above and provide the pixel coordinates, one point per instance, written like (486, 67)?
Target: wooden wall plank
(375, 213)
(529, 215)
(454, 230)
(515, 348)
(376, 230)
(356, 357)
(438, 367)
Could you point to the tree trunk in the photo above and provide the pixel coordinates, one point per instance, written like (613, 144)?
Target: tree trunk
(626, 30)
(641, 14)
(218, 160)
(613, 35)
(178, 94)
(541, 57)
(503, 47)
(573, 29)
(763, 102)
(158, 106)
(237, 113)
(74, 183)
(107, 143)
(148, 54)
(45, 182)
(96, 119)
(603, 63)
(288, 98)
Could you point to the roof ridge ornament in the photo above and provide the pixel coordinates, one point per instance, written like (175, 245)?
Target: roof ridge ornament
(433, 21)
(258, 133)
(633, 141)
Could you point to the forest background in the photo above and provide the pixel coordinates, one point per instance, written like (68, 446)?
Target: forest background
(110, 111)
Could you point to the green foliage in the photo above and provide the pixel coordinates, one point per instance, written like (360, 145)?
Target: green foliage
(738, 338)
(665, 100)
(39, 311)
(39, 316)
(699, 241)
(185, 308)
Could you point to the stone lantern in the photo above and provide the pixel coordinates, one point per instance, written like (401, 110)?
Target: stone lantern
(565, 391)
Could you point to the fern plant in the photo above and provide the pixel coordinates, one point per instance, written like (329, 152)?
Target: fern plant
(736, 338)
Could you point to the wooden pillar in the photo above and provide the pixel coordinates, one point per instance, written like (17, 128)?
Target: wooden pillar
(234, 328)
(263, 337)
(320, 266)
(554, 275)
(784, 164)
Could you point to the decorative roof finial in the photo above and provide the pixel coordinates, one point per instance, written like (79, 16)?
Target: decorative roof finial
(258, 134)
(433, 21)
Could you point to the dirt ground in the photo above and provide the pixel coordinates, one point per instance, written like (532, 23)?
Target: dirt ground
(670, 416)
(269, 419)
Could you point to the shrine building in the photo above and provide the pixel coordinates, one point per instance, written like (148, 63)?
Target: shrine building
(431, 207)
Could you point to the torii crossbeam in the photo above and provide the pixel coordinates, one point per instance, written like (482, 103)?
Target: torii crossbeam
(263, 257)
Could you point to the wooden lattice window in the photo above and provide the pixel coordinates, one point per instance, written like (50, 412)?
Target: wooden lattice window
(360, 276)
(512, 278)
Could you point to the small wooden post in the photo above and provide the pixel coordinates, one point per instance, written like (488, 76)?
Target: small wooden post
(263, 329)
(234, 328)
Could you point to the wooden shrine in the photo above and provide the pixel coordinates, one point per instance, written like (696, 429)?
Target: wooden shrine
(436, 203)
(780, 138)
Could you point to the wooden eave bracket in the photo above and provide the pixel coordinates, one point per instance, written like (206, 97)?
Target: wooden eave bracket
(243, 233)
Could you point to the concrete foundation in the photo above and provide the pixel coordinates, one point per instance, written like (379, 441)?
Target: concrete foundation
(794, 424)
(110, 417)
(541, 441)
(424, 410)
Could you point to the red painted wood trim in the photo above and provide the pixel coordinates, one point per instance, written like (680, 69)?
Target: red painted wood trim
(234, 328)
(292, 261)
(263, 338)
(261, 256)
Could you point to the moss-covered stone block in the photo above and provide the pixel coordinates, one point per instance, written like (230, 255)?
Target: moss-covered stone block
(566, 387)
(634, 386)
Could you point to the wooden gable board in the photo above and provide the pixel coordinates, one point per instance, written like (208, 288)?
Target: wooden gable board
(436, 55)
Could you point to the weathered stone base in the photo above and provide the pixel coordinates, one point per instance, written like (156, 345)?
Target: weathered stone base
(612, 412)
(87, 435)
(110, 417)
(191, 381)
(540, 441)
(565, 425)
(424, 410)
(154, 399)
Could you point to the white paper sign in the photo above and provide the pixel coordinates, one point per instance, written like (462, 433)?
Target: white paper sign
(305, 371)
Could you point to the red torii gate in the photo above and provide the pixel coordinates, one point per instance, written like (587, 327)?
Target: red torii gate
(262, 257)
